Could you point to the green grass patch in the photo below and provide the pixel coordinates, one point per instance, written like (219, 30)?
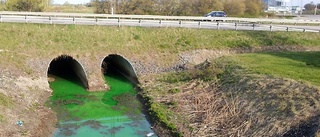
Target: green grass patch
(2, 119)
(5, 100)
(301, 66)
(162, 114)
(48, 39)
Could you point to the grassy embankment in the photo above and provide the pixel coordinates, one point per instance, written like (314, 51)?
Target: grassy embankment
(249, 95)
(300, 66)
(20, 42)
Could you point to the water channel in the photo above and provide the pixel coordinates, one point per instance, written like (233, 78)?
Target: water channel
(113, 113)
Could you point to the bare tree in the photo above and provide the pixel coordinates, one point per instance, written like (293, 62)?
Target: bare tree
(310, 6)
(234, 7)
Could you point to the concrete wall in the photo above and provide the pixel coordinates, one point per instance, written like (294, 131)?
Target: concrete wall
(78, 68)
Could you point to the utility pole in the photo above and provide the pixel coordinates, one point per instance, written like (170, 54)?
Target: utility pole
(301, 8)
(315, 9)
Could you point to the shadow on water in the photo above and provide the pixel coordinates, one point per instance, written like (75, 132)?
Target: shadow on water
(62, 67)
(310, 58)
(115, 73)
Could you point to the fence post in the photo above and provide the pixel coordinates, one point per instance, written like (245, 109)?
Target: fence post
(253, 26)
(50, 19)
(160, 22)
(236, 26)
(74, 20)
(218, 25)
(199, 24)
(287, 29)
(25, 17)
(96, 21)
(304, 30)
(180, 23)
(0, 17)
(119, 22)
(139, 22)
(270, 27)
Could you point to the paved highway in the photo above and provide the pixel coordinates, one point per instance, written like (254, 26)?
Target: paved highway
(308, 17)
(155, 23)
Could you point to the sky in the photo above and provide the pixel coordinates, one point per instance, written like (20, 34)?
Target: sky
(291, 3)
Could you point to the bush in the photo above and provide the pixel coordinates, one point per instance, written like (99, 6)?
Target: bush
(27, 5)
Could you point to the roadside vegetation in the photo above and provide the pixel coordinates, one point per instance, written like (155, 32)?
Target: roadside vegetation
(68, 8)
(180, 8)
(312, 8)
(26, 5)
(255, 94)
(248, 8)
(2, 6)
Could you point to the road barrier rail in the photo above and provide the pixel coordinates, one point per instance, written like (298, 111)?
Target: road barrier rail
(157, 17)
(135, 20)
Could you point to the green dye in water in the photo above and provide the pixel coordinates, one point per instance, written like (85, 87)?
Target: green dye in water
(109, 113)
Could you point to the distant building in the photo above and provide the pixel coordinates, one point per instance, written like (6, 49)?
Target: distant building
(274, 3)
(279, 6)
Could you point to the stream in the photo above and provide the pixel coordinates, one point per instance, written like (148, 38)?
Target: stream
(113, 113)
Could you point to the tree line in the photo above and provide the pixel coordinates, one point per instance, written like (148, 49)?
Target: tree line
(26, 5)
(156, 7)
(178, 7)
(311, 6)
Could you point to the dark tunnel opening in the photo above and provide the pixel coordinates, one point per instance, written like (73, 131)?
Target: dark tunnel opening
(68, 68)
(117, 65)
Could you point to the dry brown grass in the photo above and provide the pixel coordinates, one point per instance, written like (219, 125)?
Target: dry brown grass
(240, 104)
(70, 9)
(210, 113)
(203, 110)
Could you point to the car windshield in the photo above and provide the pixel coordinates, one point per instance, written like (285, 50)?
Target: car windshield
(217, 13)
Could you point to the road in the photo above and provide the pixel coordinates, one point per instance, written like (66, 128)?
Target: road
(308, 17)
(155, 23)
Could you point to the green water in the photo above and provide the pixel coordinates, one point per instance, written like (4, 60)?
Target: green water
(80, 113)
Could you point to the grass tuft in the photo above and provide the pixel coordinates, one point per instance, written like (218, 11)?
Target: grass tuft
(5, 100)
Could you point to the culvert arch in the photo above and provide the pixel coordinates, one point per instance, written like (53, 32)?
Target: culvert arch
(67, 67)
(121, 65)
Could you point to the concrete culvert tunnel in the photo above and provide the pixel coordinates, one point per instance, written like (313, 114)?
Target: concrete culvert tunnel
(117, 64)
(68, 68)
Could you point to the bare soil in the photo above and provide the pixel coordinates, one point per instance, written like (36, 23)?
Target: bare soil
(25, 97)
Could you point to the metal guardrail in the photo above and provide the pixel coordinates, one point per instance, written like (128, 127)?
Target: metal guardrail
(155, 17)
(135, 20)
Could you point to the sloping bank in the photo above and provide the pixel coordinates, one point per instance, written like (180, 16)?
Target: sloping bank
(220, 98)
